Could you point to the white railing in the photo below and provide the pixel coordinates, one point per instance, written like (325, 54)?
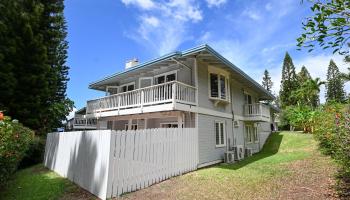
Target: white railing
(85, 122)
(257, 109)
(157, 94)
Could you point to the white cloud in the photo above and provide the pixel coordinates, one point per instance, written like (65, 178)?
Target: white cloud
(215, 3)
(252, 14)
(317, 65)
(167, 25)
(144, 4)
(150, 20)
(71, 114)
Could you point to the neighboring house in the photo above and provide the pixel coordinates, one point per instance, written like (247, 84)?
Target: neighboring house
(195, 88)
(79, 122)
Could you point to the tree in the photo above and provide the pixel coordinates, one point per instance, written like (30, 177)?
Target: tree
(334, 86)
(32, 60)
(308, 93)
(328, 27)
(267, 82)
(345, 76)
(289, 82)
(303, 75)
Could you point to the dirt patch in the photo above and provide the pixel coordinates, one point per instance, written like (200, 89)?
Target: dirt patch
(76, 193)
(311, 178)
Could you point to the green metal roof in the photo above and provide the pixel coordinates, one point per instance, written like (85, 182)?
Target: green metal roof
(194, 50)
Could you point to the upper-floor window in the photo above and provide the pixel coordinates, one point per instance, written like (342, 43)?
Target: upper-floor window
(218, 86)
(166, 77)
(127, 87)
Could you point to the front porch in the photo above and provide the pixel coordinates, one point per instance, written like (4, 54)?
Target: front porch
(168, 96)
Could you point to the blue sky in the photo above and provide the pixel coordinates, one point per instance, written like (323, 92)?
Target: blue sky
(254, 35)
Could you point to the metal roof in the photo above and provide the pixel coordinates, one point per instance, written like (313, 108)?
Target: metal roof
(194, 50)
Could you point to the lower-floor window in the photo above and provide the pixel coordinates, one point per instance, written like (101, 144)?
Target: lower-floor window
(133, 127)
(251, 133)
(169, 125)
(220, 134)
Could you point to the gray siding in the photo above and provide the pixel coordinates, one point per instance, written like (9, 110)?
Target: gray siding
(206, 138)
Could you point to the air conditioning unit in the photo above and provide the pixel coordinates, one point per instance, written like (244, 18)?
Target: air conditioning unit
(239, 150)
(248, 152)
(236, 123)
(229, 157)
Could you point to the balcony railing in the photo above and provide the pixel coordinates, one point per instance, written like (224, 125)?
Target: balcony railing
(256, 110)
(170, 92)
(85, 122)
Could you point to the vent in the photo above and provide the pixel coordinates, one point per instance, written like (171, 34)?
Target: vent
(236, 124)
(230, 157)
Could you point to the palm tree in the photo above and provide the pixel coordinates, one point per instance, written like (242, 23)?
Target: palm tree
(308, 93)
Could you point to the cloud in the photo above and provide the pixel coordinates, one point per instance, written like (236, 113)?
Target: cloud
(143, 4)
(252, 14)
(150, 20)
(215, 3)
(268, 6)
(317, 65)
(71, 114)
(167, 25)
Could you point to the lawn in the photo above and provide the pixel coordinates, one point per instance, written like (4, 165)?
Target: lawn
(289, 167)
(39, 183)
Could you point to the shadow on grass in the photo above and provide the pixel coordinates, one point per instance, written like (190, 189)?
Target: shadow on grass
(270, 148)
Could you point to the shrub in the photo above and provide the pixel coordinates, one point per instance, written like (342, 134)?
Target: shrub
(34, 154)
(14, 142)
(332, 130)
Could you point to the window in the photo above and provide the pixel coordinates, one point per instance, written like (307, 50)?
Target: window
(218, 86)
(169, 125)
(248, 98)
(251, 133)
(166, 77)
(127, 87)
(220, 135)
(133, 127)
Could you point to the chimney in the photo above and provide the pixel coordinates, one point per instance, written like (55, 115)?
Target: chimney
(131, 63)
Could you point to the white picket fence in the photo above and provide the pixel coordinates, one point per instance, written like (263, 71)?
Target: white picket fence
(110, 163)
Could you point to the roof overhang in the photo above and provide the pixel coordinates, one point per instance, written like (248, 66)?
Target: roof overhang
(205, 53)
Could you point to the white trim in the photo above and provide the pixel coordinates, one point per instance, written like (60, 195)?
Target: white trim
(127, 84)
(209, 163)
(227, 83)
(219, 122)
(165, 74)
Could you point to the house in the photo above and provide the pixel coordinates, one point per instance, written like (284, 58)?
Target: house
(79, 122)
(196, 88)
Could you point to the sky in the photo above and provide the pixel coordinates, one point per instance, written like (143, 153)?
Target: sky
(254, 35)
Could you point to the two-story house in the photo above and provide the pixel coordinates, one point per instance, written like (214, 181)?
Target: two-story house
(196, 88)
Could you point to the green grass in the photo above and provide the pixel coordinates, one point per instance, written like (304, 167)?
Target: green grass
(288, 162)
(36, 183)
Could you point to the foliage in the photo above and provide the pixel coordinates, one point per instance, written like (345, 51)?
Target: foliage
(300, 116)
(34, 154)
(267, 82)
(332, 130)
(308, 92)
(14, 141)
(289, 82)
(335, 86)
(303, 75)
(33, 51)
(328, 27)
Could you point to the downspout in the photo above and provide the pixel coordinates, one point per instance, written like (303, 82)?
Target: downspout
(233, 119)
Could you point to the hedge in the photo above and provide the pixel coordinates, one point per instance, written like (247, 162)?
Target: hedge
(14, 142)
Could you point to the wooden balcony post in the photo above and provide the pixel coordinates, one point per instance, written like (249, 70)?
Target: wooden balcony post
(142, 99)
(174, 92)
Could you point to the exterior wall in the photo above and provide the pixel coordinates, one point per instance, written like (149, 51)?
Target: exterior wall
(208, 152)
(203, 91)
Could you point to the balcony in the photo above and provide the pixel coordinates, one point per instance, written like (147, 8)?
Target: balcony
(155, 98)
(257, 112)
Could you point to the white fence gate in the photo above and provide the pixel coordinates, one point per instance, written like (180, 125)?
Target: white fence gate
(109, 163)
